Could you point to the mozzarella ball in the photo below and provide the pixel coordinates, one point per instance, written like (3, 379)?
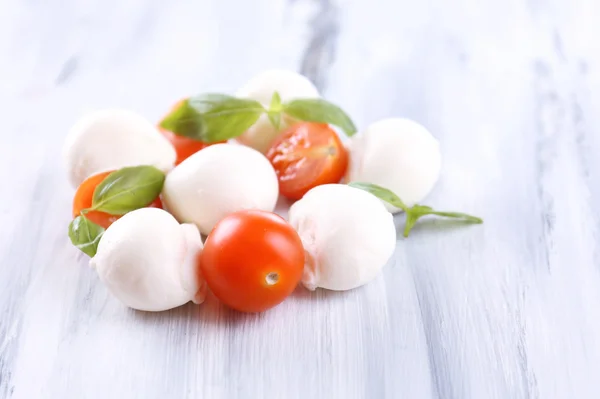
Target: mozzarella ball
(148, 260)
(219, 180)
(347, 234)
(289, 85)
(398, 154)
(112, 139)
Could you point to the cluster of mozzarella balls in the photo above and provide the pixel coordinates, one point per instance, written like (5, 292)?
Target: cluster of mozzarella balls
(147, 258)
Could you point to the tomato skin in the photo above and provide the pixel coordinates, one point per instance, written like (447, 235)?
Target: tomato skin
(83, 200)
(307, 155)
(247, 250)
(184, 146)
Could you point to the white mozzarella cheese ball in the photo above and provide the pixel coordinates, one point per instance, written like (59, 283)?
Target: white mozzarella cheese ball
(219, 180)
(348, 236)
(290, 85)
(112, 139)
(148, 260)
(398, 154)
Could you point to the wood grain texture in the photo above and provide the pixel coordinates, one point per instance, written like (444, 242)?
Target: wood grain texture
(509, 309)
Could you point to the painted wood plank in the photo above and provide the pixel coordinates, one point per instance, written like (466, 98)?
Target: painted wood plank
(504, 310)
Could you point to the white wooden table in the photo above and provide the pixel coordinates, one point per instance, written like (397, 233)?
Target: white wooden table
(510, 309)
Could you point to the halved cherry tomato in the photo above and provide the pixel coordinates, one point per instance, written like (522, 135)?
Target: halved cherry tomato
(83, 200)
(184, 146)
(252, 260)
(305, 156)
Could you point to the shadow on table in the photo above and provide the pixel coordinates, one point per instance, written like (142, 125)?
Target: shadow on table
(213, 312)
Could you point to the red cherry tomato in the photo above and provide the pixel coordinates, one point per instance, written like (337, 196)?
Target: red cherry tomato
(184, 146)
(252, 260)
(305, 156)
(83, 200)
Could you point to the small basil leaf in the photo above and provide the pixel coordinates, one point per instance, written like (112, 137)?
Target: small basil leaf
(274, 112)
(85, 235)
(418, 211)
(275, 118)
(275, 105)
(183, 121)
(381, 193)
(128, 189)
(319, 110)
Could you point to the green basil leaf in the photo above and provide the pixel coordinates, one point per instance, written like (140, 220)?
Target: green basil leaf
(274, 112)
(85, 235)
(381, 193)
(422, 210)
(275, 105)
(128, 189)
(183, 121)
(319, 110)
(213, 117)
(418, 211)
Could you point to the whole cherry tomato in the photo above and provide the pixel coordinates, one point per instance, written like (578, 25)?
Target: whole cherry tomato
(184, 146)
(305, 156)
(83, 200)
(252, 260)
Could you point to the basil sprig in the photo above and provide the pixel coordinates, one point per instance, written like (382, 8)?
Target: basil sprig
(213, 117)
(412, 213)
(216, 117)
